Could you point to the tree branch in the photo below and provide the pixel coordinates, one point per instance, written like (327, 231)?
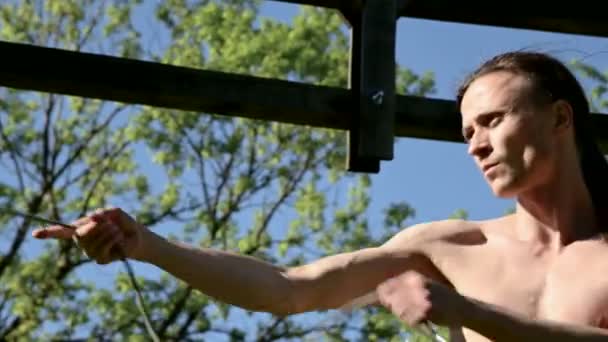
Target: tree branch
(21, 231)
(183, 330)
(12, 326)
(102, 173)
(13, 155)
(290, 187)
(91, 134)
(48, 118)
(90, 27)
(175, 311)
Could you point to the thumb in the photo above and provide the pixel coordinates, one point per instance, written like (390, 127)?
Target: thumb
(53, 232)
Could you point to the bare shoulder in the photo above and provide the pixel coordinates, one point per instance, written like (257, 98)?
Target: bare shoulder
(455, 231)
(498, 228)
(436, 242)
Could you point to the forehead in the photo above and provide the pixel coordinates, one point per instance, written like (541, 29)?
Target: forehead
(499, 90)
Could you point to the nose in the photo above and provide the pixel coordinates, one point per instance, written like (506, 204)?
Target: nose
(479, 146)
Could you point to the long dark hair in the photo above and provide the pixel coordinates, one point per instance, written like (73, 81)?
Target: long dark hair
(553, 79)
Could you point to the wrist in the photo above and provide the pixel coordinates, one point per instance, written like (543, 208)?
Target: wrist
(149, 244)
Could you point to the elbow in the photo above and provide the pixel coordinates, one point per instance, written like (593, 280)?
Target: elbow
(285, 299)
(303, 292)
(280, 299)
(289, 299)
(279, 306)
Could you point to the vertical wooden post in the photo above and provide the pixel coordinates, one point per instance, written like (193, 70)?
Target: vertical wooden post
(372, 81)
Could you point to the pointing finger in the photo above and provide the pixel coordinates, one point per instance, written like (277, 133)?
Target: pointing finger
(53, 232)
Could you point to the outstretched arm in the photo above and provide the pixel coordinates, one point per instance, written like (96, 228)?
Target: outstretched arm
(256, 285)
(249, 282)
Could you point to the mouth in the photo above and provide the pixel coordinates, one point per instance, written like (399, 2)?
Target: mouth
(487, 167)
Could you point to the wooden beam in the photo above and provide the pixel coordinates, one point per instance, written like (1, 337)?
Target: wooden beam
(583, 18)
(372, 82)
(30, 67)
(563, 17)
(355, 162)
(110, 78)
(334, 4)
(376, 115)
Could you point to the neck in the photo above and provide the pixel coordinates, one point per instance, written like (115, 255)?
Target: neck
(558, 212)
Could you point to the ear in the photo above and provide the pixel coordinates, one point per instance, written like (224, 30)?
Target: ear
(563, 119)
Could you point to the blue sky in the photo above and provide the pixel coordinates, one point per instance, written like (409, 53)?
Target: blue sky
(436, 177)
(418, 174)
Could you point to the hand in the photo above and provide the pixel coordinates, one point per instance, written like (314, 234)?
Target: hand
(105, 236)
(415, 299)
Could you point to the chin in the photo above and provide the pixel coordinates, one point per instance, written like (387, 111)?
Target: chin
(504, 194)
(504, 189)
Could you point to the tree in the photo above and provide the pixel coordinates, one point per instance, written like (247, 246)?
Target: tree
(598, 81)
(271, 190)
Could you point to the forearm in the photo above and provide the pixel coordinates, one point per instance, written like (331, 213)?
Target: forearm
(231, 278)
(334, 281)
(256, 285)
(499, 325)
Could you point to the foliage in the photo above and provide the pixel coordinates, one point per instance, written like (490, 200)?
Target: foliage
(269, 190)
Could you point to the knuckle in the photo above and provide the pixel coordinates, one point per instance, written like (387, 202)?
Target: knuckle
(115, 211)
(411, 276)
(81, 232)
(116, 240)
(415, 280)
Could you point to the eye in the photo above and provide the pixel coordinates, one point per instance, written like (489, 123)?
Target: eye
(495, 121)
(491, 119)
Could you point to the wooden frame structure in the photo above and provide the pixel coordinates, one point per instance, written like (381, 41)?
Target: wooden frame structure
(369, 109)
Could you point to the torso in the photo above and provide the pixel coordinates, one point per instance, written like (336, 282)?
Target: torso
(570, 286)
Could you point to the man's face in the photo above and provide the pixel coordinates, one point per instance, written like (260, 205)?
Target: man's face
(510, 135)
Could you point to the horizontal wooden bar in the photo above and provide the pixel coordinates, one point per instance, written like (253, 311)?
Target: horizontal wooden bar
(585, 17)
(133, 81)
(111, 78)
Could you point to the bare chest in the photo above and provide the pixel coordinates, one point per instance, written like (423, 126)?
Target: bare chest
(572, 287)
(576, 287)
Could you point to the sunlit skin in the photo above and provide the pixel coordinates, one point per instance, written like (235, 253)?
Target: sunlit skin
(528, 263)
(535, 275)
(506, 129)
(525, 148)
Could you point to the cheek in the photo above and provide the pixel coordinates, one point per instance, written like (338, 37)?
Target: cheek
(509, 141)
(535, 151)
(529, 157)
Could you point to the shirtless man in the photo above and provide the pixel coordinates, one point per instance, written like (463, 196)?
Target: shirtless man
(538, 274)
